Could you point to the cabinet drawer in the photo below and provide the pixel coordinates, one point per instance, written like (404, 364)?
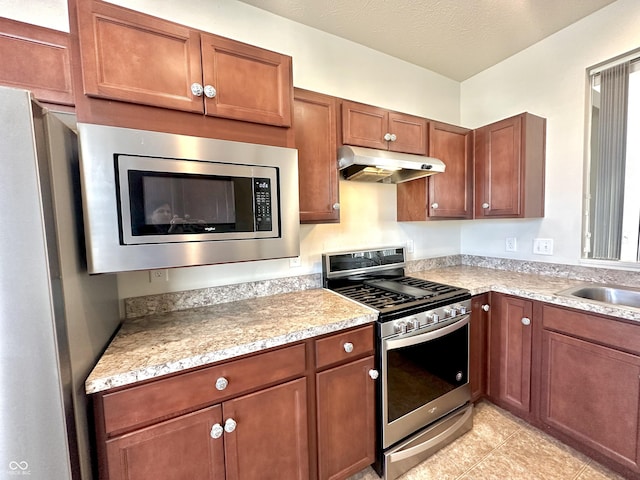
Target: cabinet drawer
(602, 330)
(165, 398)
(332, 349)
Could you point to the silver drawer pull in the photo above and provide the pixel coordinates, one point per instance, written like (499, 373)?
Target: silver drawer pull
(374, 374)
(526, 321)
(230, 425)
(216, 431)
(221, 383)
(348, 347)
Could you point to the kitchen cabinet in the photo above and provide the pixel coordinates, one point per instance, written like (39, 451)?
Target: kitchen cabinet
(216, 423)
(510, 363)
(510, 168)
(480, 318)
(590, 383)
(373, 127)
(345, 396)
(316, 141)
(444, 195)
(36, 59)
(132, 57)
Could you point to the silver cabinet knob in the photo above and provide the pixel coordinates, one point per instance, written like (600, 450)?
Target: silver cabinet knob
(485, 307)
(209, 91)
(230, 425)
(216, 431)
(387, 137)
(348, 347)
(434, 205)
(374, 374)
(393, 137)
(485, 205)
(197, 89)
(336, 206)
(526, 321)
(221, 383)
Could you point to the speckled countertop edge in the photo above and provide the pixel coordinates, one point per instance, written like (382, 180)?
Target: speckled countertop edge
(160, 344)
(164, 343)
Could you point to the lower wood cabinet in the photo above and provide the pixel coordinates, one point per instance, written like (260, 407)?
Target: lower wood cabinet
(345, 396)
(590, 382)
(511, 352)
(480, 317)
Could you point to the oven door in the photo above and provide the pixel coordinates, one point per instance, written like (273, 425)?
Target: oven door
(424, 377)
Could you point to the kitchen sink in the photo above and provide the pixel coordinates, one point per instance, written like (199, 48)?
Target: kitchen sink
(609, 294)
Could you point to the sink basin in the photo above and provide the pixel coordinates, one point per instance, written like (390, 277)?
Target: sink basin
(610, 294)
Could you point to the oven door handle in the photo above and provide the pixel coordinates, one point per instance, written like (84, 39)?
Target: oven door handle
(395, 343)
(440, 438)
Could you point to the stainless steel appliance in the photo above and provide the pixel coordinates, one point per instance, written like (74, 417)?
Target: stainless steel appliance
(423, 395)
(385, 166)
(56, 318)
(158, 200)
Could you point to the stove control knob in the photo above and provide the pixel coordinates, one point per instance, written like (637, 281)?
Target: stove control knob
(400, 327)
(432, 318)
(411, 324)
(450, 312)
(462, 309)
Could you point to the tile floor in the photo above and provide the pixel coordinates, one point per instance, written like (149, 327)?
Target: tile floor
(502, 447)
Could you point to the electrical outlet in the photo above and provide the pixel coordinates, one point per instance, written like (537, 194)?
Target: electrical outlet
(294, 262)
(410, 246)
(510, 244)
(157, 276)
(543, 246)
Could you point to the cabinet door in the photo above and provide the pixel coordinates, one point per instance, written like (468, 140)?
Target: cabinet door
(592, 393)
(511, 340)
(478, 345)
(178, 449)
(364, 125)
(270, 440)
(510, 168)
(132, 57)
(315, 132)
(36, 59)
(251, 84)
(410, 133)
(346, 419)
(451, 192)
(498, 169)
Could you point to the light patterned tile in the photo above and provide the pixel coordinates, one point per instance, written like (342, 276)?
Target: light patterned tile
(529, 455)
(493, 424)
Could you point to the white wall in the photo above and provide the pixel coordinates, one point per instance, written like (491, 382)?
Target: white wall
(548, 79)
(323, 63)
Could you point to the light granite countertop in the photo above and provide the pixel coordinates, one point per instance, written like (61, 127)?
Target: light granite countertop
(159, 344)
(163, 343)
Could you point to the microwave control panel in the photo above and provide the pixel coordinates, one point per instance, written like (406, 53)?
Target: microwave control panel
(262, 198)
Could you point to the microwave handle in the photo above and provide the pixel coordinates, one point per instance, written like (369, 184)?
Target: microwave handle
(396, 343)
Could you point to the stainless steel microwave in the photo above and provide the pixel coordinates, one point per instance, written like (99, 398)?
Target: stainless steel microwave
(157, 200)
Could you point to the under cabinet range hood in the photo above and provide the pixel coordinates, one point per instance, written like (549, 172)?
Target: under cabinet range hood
(370, 165)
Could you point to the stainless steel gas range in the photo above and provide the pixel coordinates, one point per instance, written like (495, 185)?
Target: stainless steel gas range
(422, 354)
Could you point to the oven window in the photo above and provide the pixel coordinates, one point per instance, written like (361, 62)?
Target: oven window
(172, 203)
(420, 373)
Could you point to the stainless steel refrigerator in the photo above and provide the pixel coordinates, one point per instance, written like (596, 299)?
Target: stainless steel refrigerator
(55, 319)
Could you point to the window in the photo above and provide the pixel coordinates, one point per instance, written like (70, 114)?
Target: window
(612, 225)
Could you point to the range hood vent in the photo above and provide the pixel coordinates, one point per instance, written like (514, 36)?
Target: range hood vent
(370, 165)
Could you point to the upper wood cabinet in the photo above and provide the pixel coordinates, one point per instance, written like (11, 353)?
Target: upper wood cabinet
(509, 168)
(36, 59)
(373, 127)
(315, 129)
(443, 195)
(133, 57)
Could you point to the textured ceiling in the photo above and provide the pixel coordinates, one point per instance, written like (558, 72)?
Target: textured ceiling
(456, 38)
